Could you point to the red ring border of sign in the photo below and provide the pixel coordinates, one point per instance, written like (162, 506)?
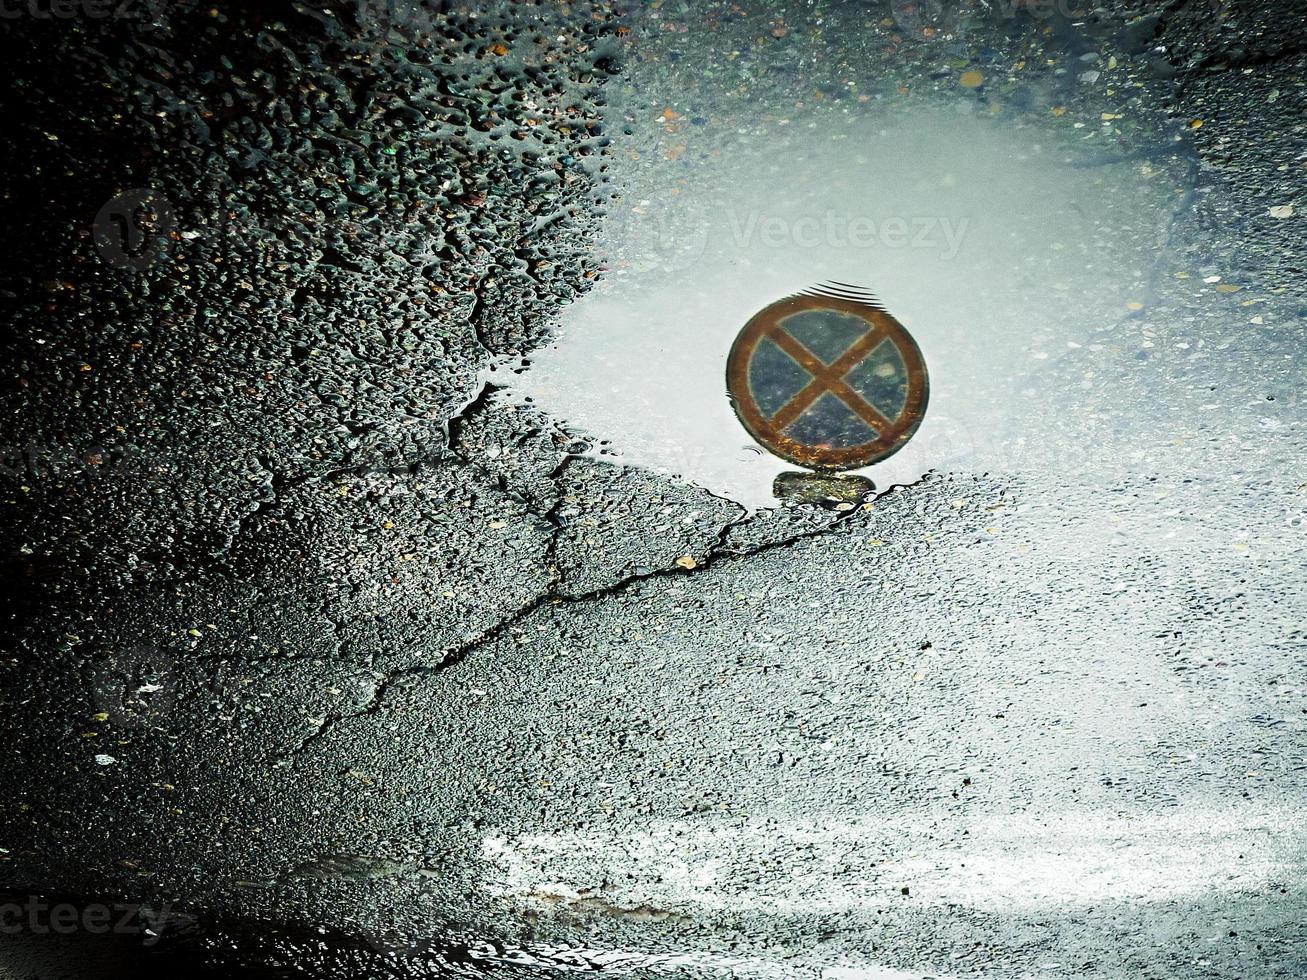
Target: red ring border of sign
(816, 457)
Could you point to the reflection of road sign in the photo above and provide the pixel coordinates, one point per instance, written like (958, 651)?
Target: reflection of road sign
(828, 379)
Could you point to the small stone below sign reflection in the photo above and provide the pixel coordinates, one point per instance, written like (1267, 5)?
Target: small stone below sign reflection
(830, 490)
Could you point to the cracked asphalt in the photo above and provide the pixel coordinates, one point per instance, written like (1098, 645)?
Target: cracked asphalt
(346, 652)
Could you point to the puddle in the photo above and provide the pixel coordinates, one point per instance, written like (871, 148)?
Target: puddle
(999, 244)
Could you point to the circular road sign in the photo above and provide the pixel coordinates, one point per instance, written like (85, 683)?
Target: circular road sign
(828, 379)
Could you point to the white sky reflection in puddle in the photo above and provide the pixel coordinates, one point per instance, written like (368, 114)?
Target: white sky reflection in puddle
(997, 247)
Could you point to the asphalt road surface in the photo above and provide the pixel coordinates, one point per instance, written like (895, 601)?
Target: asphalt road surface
(394, 594)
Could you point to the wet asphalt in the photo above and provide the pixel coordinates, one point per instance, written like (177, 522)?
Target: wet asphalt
(348, 661)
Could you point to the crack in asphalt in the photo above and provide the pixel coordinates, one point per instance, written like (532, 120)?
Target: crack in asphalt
(280, 484)
(478, 311)
(1169, 246)
(717, 553)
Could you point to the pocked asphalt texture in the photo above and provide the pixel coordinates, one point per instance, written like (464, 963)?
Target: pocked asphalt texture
(432, 687)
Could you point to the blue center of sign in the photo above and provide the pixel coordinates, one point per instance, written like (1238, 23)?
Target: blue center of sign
(829, 422)
(879, 378)
(825, 333)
